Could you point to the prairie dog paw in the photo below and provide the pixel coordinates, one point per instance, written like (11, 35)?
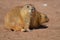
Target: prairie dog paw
(22, 30)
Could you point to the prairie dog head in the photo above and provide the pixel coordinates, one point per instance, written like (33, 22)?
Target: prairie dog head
(44, 18)
(28, 8)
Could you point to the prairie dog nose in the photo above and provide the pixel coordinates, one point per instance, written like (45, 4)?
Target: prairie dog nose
(47, 20)
(33, 9)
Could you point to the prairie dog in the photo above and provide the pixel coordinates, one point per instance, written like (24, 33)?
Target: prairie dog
(21, 18)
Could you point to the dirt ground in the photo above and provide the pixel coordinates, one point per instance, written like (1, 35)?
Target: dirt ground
(52, 9)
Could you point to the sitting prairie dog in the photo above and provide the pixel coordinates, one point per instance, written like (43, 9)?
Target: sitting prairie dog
(21, 18)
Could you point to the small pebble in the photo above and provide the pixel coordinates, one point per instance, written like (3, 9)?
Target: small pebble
(44, 4)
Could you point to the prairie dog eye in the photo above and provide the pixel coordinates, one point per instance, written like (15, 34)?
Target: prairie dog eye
(45, 16)
(27, 6)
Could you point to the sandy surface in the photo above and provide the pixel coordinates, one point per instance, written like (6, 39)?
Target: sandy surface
(52, 9)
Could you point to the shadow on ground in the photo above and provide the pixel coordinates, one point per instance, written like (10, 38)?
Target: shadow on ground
(40, 27)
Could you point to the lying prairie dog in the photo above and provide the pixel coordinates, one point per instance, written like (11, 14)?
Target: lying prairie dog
(21, 18)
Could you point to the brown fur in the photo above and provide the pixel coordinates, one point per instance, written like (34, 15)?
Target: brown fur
(20, 18)
(38, 19)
